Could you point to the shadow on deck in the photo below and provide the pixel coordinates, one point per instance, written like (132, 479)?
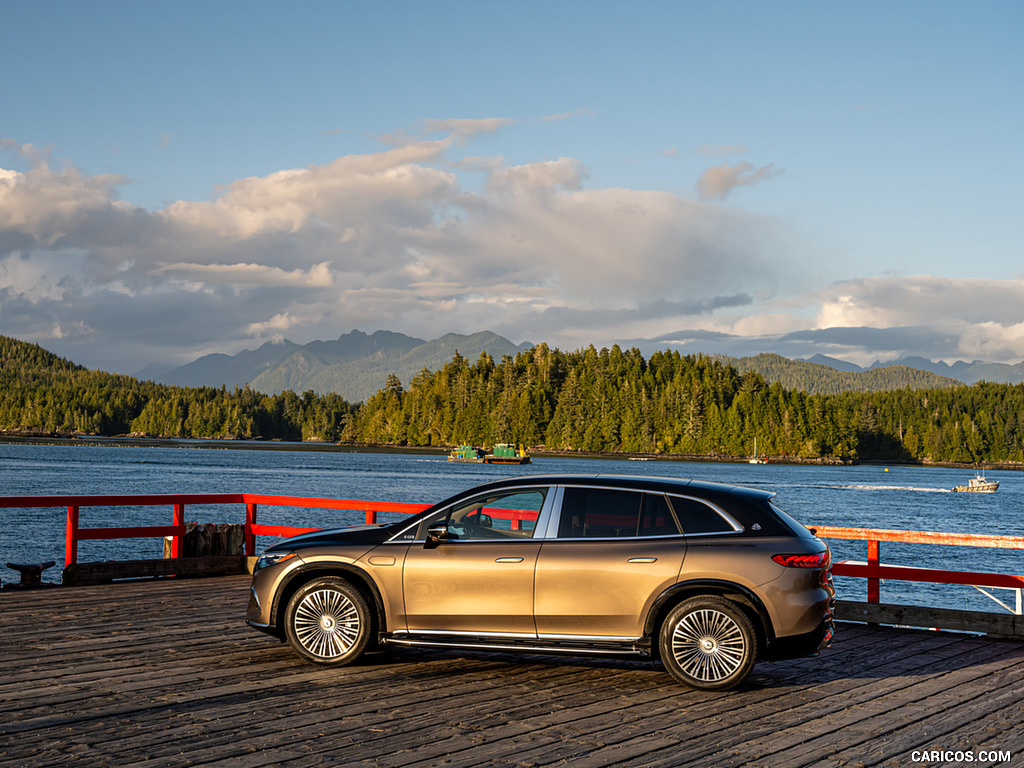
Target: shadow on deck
(165, 673)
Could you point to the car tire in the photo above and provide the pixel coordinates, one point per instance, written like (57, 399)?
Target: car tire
(708, 643)
(328, 621)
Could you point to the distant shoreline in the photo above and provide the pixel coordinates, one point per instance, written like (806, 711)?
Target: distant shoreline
(128, 441)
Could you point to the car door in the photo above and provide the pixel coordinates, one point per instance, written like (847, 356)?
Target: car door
(614, 551)
(478, 577)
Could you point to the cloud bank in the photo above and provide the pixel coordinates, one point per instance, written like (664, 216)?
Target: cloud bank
(414, 238)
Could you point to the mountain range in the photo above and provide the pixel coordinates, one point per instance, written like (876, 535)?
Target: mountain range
(356, 365)
(968, 373)
(822, 379)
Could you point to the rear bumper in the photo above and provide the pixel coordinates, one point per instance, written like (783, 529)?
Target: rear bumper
(795, 646)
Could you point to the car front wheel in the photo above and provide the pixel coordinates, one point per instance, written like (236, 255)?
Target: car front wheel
(328, 621)
(708, 643)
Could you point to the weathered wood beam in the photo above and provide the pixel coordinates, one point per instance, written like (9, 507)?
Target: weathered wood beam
(996, 624)
(80, 574)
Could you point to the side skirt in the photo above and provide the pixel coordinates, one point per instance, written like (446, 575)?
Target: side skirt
(631, 649)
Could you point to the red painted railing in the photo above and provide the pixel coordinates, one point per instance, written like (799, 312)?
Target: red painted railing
(370, 508)
(874, 570)
(74, 533)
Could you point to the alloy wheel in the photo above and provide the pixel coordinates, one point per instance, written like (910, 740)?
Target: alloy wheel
(326, 623)
(708, 645)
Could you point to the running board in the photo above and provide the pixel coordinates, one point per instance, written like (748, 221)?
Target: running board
(520, 646)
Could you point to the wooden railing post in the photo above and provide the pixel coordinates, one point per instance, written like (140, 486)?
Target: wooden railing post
(874, 592)
(71, 538)
(371, 517)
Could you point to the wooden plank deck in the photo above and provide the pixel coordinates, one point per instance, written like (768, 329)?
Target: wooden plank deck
(165, 673)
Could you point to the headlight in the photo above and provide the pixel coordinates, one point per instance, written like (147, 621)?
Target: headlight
(272, 558)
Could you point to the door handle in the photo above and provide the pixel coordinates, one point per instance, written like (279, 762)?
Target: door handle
(508, 560)
(642, 560)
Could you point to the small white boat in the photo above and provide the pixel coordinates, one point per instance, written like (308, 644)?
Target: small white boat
(755, 459)
(977, 484)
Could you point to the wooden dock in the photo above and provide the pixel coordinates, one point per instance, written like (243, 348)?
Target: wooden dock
(165, 673)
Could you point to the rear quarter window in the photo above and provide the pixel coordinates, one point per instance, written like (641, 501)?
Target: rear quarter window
(757, 517)
(697, 517)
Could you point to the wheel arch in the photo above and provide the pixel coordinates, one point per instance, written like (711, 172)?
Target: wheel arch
(743, 597)
(355, 576)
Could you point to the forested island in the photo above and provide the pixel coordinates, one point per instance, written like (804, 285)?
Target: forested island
(608, 400)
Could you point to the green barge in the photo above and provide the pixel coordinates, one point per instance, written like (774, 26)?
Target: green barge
(502, 453)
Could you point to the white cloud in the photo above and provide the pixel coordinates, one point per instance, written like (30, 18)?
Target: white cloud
(768, 324)
(317, 276)
(718, 181)
(561, 116)
(275, 326)
(464, 129)
(993, 342)
(882, 302)
(47, 276)
(345, 191)
(564, 173)
(49, 207)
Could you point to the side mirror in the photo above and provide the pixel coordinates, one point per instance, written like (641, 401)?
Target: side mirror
(436, 533)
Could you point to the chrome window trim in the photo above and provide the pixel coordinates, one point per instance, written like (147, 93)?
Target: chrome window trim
(736, 527)
(550, 530)
(627, 538)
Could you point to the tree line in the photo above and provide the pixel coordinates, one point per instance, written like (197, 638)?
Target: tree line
(587, 400)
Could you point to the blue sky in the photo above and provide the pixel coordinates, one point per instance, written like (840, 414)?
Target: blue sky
(720, 177)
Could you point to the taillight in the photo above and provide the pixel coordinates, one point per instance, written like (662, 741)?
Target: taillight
(817, 560)
(822, 560)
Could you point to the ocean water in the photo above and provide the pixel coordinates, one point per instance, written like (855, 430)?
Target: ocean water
(897, 497)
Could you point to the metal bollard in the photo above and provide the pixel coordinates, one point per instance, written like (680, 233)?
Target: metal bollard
(31, 575)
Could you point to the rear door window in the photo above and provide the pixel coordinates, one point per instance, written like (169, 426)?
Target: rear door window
(605, 513)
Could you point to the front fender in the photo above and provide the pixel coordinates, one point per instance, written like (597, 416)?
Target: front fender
(307, 571)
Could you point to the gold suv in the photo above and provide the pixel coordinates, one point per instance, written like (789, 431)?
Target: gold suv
(705, 577)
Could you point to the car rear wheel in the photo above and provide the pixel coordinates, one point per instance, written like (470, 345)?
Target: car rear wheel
(328, 621)
(708, 643)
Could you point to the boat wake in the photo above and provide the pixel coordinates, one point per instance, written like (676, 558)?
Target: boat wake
(894, 488)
